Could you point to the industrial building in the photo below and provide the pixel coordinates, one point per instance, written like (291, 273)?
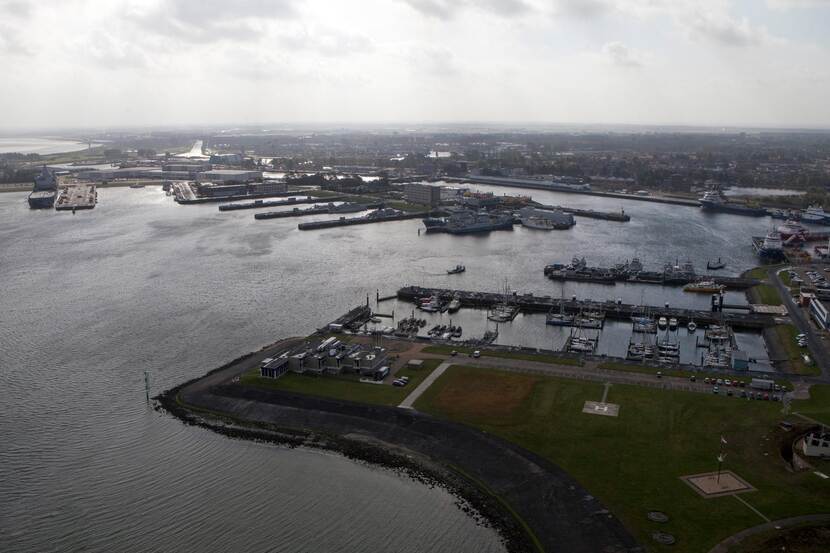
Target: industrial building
(424, 194)
(229, 176)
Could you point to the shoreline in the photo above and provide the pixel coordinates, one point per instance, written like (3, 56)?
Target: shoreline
(532, 504)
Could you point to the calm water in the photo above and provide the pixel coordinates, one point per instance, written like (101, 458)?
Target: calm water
(41, 146)
(90, 301)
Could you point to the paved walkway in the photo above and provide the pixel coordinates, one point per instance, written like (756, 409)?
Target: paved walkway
(409, 401)
(725, 545)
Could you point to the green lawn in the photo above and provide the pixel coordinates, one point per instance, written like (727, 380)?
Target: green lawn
(646, 369)
(758, 272)
(768, 294)
(786, 336)
(344, 387)
(818, 406)
(633, 462)
(538, 357)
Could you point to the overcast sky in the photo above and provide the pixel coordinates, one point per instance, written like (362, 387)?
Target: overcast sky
(147, 62)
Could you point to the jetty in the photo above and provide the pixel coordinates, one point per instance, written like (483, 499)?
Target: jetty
(316, 210)
(670, 276)
(531, 303)
(365, 220)
(274, 203)
(618, 216)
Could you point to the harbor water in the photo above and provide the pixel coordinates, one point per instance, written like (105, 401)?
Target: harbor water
(92, 300)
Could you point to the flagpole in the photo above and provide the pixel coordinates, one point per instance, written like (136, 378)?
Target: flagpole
(721, 457)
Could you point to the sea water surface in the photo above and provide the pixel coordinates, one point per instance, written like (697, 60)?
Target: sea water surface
(41, 146)
(92, 300)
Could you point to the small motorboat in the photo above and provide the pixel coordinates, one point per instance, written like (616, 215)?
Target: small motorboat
(672, 323)
(715, 265)
(456, 270)
(662, 322)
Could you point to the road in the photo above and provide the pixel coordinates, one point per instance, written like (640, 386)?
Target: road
(815, 344)
(410, 400)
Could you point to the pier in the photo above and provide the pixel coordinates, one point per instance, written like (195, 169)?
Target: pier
(274, 203)
(367, 220)
(316, 210)
(612, 310)
(76, 196)
(620, 217)
(610, 277)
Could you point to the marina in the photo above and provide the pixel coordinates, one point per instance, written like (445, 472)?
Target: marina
(610, 309)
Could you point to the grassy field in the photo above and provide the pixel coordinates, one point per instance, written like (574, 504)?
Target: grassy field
(818, 406)
(768, 294)
(633, 463)
(344, 387)
(538, 357)
(645, 369)
(786, 334)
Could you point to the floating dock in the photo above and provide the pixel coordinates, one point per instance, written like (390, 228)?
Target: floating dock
(274, 203)
(76, 196)
(344, 222)
(612, 310)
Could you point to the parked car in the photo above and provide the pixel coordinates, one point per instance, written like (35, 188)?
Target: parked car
(715, 390)
(476, 354)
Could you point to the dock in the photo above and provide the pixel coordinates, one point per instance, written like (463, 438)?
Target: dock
(316, 210)
(618, 216)
(76, 196)
(275, 203)
(367, 220)
(606, 276)
(530, 303)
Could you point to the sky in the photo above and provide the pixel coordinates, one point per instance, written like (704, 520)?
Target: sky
(111, 63)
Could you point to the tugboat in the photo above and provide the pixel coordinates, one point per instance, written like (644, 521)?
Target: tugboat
(772, 247)
(456, 270)
(715, 265)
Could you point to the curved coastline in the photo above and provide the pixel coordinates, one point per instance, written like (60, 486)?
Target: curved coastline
(533, 504)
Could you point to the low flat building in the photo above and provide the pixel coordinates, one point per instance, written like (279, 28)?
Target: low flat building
(230, 176)
(274, 368)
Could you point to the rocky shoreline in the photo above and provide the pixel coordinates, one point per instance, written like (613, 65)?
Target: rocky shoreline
(532, 504)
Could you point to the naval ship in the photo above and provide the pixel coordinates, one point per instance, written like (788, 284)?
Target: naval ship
(714, 200)
(45, 190)
(469, 222)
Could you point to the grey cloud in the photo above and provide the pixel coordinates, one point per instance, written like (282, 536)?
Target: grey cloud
(16, 8)
(586, 9)
(11, 42)
(203, 21)
(447, 9)
(724, 29)
(620, 54)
